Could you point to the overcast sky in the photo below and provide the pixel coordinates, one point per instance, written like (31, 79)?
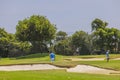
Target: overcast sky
(68, 15)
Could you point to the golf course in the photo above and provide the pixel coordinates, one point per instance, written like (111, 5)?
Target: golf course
(59, 39)
(58, 70)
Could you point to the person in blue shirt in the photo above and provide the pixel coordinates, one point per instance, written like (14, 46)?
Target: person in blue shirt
(52, 56)
(107, 55)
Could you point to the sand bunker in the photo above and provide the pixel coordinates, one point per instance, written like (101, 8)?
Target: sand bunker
(91, 69)
(90, 59)
(78, 68)
(28, 67)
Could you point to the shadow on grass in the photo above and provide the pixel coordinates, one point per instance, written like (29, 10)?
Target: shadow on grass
(36, 55)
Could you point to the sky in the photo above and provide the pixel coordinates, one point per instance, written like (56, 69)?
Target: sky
(67, 15)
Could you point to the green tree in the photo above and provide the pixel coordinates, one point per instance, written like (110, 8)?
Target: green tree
(112, 39)
(64, 47)
(107, 38)
(80, 42)
(61, 35)
(99, 34)
(19, 48)
(97, 23)
(37, 30)
(5, 40)
(118, 41)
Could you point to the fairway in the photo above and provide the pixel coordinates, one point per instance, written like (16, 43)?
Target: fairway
(60, 40)
(61, 61)
(53, 75)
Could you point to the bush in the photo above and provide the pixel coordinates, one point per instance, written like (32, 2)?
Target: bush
(63, 47)
(19, 49)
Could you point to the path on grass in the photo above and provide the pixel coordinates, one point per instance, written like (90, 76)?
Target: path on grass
(90, 59)
(78, 68)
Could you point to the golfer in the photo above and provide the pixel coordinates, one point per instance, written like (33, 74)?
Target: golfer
(107, 55)
(52, 56)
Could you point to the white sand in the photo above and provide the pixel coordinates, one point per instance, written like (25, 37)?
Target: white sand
(90, 59)
(78, 68)
(28, 67)
(91, 69)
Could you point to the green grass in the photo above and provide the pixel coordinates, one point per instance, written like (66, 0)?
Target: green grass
(53, 75)
(61, 60)
(58, 74)
(30, 59)
(113, 64)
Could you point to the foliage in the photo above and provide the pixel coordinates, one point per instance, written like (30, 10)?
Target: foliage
(19, 49)
(37, 30)
(36, 34)
(80, 42)
(97, 24)
(61, 35)
(5, 39)
(63, 44)
(63, 47)
(105, 38)
(10, 47)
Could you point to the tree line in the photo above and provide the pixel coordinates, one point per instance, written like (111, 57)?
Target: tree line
(36, 34)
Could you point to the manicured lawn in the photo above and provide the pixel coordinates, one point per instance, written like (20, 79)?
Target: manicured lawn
(53, 75)
(30, 59)
(112, 64)
(61, 60)
(58, 74)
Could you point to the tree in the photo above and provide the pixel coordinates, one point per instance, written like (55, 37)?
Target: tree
(99, 38)
(61, 35)
(97, 23)
(118, 41)
(64, 47)
(107, 38)
(112, 39)
(5, 39)
(19, 48)
(37, 30)
(80, 42)
(10, 47)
